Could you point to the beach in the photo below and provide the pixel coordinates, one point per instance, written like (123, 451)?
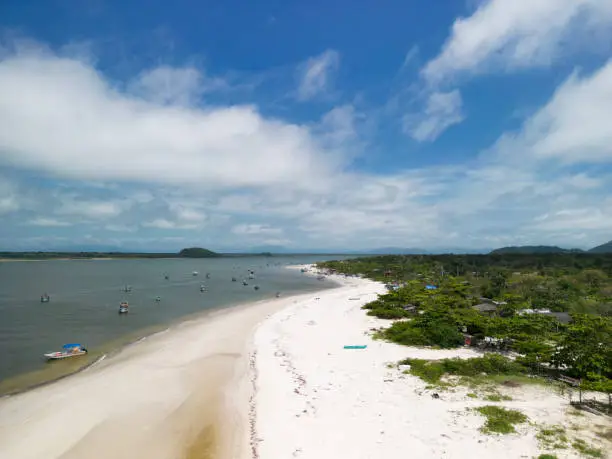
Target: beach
(272, 380)
(316, 400)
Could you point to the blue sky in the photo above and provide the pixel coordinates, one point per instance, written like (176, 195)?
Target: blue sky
(329, 125)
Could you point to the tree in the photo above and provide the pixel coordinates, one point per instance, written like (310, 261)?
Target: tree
(585, 349)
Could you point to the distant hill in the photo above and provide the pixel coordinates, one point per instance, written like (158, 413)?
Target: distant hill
(603, 248)
(532, 249)
(197, 252)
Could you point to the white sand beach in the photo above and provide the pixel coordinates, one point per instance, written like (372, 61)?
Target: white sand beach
(271, 380)
(316, 400)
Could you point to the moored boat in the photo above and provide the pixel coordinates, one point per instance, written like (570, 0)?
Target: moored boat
(245, 283)
(123, 307)
(68, 350)
(203, 288)
(256, 287)
(195, 273)
(45, 298)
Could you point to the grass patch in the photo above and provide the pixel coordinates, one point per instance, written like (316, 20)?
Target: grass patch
(500, 420)
(547, 456)
(497, 398)
(552, 437)
(583, 448)
(489, 365)
(472, 395)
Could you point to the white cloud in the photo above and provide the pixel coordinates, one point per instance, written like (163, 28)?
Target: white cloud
(163, 223)
(574, 126)
(88, 130)
(256, 229)
(48, 222)
(316, 73)
(443, 110)
(510, 34)
(96, 210)
(174, 86)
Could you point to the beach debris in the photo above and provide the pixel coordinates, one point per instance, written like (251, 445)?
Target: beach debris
(435, 395)
(355, 346)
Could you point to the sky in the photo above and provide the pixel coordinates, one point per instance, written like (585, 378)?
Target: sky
(328, 125)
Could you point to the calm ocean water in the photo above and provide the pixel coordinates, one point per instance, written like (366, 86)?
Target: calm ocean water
(85, 296)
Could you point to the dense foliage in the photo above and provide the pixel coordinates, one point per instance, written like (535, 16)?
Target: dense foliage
(553, 309)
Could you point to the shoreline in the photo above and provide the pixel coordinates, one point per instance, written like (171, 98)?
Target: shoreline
(172, 392)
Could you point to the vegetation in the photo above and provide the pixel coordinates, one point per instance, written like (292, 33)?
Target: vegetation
(552, 437)
(547, 456)
(531, 249)
(586, 450)
(197, 252)
(432, 371)
(194, 252)
(553, 309)
(500, 420)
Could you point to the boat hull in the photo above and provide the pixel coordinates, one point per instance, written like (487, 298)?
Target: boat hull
(63, 355)
(123, 310)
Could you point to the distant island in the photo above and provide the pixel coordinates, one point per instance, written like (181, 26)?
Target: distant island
(542, 249)
(198, 252)
(192, 252)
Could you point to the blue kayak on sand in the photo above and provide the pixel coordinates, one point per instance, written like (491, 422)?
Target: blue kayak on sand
(356, 347)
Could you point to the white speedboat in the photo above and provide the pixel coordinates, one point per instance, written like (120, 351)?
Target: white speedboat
(68, 350)
(123, 307)
(195, 273)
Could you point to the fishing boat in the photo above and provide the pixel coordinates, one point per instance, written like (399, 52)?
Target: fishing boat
(245, 283)
(195, 273)
(158, 299)
(203, 288)
(251, 276)
(123, 307)
(68, 350)
(234, 279)
(166, 277)
(45, 298)
(207, 275)
(256, 287)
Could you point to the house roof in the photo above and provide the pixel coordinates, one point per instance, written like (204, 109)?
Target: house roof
(485, 307)
(562, 317)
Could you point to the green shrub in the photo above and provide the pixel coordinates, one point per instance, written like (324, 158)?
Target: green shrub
(500, 420)
(413, 333)
(547, 456)
(586, 450)
(491, 364)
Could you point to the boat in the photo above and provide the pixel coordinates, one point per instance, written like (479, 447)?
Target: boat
(207, 275)
(195, 273)
(233, 279)
(68, 350)
(245, 282)
(277, 294)
(203, 288)
(127, 289)
(256, 287)
(44, 298)
(166, 277)
(123, 307)
(158, 299)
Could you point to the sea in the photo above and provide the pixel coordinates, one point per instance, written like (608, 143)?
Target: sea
(84, 297)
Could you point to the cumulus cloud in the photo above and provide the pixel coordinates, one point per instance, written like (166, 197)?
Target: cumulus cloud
(574, 126)
(256, 229)
(443, 110)
(316, 73)
(511, 34)
(88, 129)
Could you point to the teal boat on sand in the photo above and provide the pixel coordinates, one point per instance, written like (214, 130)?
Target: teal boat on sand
(356, 347)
